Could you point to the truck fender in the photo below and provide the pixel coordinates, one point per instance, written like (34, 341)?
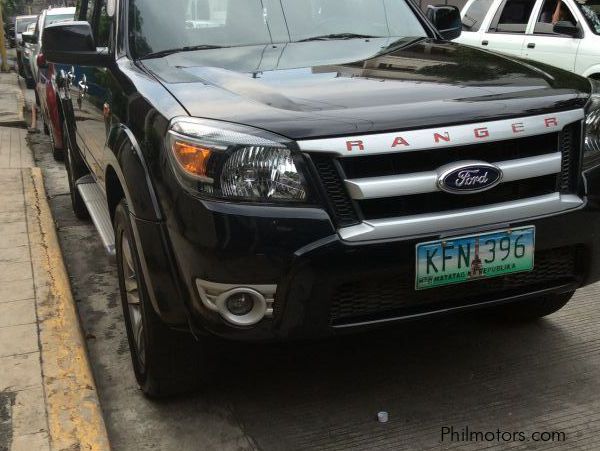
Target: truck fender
(126, 157)
(126, 169)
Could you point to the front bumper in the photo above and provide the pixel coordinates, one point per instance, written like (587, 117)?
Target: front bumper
(326, 285)
(314, 286)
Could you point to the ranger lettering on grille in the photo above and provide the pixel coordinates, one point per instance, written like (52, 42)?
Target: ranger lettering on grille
(444, 136)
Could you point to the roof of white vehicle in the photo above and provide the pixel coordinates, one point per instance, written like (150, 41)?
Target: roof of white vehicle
(59, 11)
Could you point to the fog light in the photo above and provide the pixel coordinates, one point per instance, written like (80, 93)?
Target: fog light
(240, 304)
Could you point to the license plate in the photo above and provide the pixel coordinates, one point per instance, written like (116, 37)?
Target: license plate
(474, 257)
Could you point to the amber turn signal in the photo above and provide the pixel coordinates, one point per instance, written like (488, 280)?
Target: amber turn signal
(192, 158)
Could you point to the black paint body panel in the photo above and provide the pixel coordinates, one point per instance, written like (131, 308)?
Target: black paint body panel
(353, 90)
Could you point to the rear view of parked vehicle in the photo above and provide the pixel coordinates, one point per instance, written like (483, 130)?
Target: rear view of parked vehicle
(33, 41)
(562, 33)
(28, 49)
(45, 77)
(20, 27)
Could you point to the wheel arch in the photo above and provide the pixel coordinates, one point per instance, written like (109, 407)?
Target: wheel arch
(114, 190)
(127, 176)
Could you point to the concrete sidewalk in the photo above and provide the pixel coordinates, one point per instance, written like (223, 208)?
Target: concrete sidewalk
(11, 101)
(23, 424)
(48, 399)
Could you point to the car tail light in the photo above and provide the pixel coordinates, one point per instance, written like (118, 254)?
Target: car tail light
(41, 60)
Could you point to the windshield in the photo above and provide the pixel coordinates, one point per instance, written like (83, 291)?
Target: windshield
(23, 23)
(591, 12)
(188, 24)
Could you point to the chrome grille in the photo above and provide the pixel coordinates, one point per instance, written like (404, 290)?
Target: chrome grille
(425, 160)
(395, 194)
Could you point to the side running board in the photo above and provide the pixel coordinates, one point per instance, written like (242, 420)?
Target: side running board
(95, 201)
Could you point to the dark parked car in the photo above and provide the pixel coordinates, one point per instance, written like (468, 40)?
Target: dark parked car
(289, 169)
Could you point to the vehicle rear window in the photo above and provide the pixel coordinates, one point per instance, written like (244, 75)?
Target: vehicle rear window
(58, 18)
(22, 24)
(474, 16)
(513, 16)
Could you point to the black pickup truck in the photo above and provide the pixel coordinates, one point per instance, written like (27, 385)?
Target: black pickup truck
(290, 169)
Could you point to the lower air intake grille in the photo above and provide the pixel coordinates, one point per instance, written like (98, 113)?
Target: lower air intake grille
(389, 297)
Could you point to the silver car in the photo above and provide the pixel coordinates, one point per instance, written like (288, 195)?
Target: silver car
(47, 17)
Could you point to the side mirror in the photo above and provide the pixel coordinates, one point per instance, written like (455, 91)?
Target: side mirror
(72, 43)
(446, 19)
(567, 28)
(29, 37)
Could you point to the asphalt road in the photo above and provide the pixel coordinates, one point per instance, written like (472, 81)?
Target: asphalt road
(457, 372)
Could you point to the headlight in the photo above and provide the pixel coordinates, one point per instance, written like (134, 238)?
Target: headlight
(229, 161)
(591, 153)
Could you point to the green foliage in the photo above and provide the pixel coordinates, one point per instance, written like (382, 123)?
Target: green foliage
(11, 8)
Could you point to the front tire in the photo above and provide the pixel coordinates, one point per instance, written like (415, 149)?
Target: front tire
(530, 309)
(165, 361)
(75, 170)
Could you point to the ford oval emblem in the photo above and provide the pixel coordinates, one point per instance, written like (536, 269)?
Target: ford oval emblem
(468, 177)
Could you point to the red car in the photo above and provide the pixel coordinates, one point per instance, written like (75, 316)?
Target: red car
(45, 74)
(46, 97)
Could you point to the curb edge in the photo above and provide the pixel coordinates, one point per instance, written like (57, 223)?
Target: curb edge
(74, 413)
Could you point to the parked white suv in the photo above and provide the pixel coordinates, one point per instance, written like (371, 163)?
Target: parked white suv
(563, 33)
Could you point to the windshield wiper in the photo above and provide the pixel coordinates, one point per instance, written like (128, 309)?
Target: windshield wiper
(189, 48)
(400, 44)
(332, 37)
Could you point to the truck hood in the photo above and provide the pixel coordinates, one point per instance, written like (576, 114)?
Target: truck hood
(327, 88)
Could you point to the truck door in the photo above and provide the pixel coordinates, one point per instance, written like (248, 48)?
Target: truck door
(473, 18)
(544, 44)
(506, 32)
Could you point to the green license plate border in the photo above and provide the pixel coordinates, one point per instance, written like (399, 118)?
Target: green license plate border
(474, 235)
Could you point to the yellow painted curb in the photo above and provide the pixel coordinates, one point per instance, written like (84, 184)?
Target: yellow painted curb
(75, 419)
